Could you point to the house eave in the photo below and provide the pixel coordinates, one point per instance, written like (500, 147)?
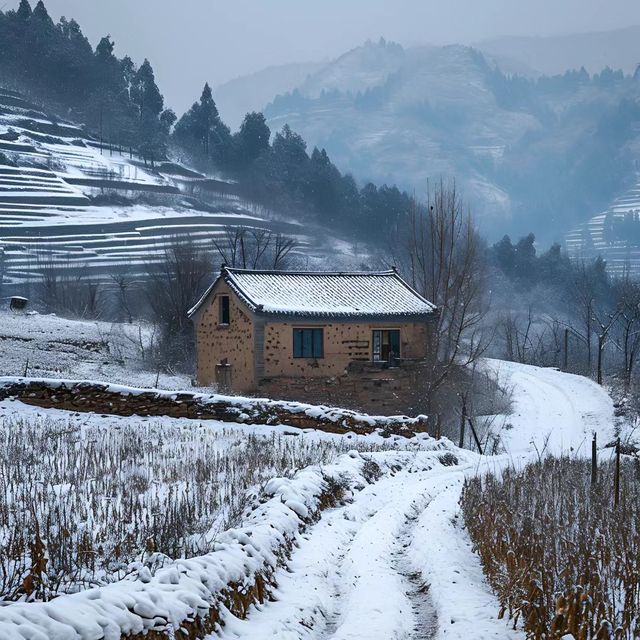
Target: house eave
(324, 318)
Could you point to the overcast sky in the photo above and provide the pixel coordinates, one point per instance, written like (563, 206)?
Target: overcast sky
(193, 41)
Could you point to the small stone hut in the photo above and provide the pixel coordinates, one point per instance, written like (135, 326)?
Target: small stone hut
(350, 339)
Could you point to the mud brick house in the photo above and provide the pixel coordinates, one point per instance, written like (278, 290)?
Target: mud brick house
(358, 340)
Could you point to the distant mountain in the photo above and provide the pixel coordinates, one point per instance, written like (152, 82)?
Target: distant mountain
(530, 154)
(618, 49)
(252, 92)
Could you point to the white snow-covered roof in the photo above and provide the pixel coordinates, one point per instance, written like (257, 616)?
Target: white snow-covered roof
(370, 294)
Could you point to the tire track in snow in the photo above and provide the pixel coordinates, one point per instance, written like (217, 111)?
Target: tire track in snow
(424, 612)
(552, 411)
(351, 577)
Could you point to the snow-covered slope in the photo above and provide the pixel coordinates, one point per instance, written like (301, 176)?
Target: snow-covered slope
(67, 200)
(552, 412)
(55, 347)
(395, 115)
(613, 234)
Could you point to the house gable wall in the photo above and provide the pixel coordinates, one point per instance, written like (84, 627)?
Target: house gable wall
(216, 342)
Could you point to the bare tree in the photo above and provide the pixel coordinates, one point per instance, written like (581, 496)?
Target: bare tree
(589, 297)
(124, 284)
(173, 287)
(254, 248)
(531, 339)
(65, 287)
(627, 336)
(441, 254)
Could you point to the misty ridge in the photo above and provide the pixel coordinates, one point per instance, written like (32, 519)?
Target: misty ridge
(403, 116)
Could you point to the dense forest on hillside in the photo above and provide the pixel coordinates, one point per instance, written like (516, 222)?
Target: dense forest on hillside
(531, 153)
(56, 64)
(121, 103)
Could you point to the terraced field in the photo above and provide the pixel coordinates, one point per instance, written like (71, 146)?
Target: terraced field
(614, 234)
(68, 200)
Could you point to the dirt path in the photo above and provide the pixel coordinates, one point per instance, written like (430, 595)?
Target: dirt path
(425, 616)
(352, 576)
(553, 412)
(396, 564)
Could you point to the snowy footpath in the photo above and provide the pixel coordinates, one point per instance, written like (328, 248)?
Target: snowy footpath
(397, 563)
(394, 564)
(551, 411)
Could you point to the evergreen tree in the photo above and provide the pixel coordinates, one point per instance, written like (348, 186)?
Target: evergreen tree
(202, 131)
(24, 11)
(145, 93)
(504, 254)
(252, 140)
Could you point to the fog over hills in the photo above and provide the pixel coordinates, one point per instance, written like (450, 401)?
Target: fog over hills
(253, 92)
(535, 154)
(617, 49)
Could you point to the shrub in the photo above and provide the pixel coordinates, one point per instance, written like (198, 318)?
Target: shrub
(448, 459)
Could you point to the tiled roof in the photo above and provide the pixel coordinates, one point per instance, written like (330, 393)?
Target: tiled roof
(315, 294)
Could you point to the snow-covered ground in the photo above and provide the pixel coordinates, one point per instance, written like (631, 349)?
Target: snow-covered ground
(395, 561)
(551, 411)
(56, 347)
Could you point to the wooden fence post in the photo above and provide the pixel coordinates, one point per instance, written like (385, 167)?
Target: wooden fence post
(475, 435)
(601, 340)
(594, 459)
(463, 419)
(616, 484)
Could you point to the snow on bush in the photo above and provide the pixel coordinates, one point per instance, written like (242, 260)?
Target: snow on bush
(191, 595)
(82, 499)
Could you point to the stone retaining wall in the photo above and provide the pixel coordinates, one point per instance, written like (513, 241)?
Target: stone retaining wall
(102, 398)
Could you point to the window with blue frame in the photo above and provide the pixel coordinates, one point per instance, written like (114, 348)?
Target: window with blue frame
(308, 343)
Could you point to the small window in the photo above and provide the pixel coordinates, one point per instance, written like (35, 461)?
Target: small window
(225, 313)
(308, 343)
(386, 344)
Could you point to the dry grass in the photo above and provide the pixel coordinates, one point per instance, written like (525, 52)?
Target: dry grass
(561, 559)
(80, 501)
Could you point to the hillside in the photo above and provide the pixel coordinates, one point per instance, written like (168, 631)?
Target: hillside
(252, 92)
(67, 200)
(408, 115)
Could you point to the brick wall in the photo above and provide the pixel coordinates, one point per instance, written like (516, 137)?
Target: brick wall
(233, 342)
(344, 343)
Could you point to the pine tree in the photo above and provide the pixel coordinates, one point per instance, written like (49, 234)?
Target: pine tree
(41, 15)
(24, 11)
(145, 92)
(208, 117)
(252, 140)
